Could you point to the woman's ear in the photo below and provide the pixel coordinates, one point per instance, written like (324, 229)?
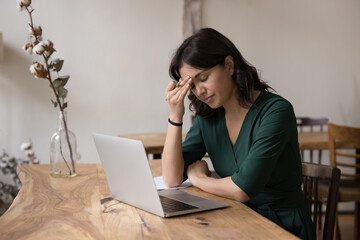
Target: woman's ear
(229, 64)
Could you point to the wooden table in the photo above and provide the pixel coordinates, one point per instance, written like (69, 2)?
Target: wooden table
(318, 141)
(154, 142)
(313, 140)
(81, 208)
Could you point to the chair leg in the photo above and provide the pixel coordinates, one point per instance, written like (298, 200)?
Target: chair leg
(337, 235)
(320, 213)
(357, 221)
(337, 230)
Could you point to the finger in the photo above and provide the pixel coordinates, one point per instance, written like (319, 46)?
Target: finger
(182, 93)
(182, 82)
(169, 89)
(184, 90)
(177, 90)
(170, 86)
(204, 163)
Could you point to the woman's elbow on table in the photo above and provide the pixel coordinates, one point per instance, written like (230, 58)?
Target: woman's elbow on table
(225, 187)
(172, 182)
(240, 196)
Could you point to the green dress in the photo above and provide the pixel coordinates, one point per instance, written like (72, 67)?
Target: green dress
(264, 162)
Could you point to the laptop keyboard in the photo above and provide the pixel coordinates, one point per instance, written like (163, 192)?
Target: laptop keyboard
(171, 205)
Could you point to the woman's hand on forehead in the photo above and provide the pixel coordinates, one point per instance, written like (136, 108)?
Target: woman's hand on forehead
(192, 72)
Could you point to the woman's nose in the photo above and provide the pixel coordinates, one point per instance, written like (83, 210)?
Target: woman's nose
(200, 89)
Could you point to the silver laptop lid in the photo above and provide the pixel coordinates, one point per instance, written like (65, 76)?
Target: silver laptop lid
(123, 159)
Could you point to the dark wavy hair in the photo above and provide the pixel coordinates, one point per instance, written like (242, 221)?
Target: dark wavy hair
(206, 49)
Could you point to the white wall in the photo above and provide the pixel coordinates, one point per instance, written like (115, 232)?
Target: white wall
(117, 53)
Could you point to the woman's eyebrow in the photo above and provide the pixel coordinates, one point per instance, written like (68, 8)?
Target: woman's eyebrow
(199, 73)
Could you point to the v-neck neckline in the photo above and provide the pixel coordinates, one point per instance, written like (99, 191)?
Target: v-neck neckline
(227, 131)
(242, 126)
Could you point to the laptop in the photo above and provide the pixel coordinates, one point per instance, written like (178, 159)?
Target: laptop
(130, 180)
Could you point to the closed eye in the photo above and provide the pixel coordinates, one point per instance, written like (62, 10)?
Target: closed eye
(200, 80)
(204, 79)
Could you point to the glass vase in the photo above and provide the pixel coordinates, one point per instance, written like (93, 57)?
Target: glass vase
(63, 154)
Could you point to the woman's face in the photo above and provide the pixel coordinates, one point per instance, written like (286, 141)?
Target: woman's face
(213, 86)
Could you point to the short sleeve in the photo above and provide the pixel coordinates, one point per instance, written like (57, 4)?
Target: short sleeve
(193, 147)
(273, 134)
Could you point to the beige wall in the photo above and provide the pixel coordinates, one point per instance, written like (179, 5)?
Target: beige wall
(117, 54)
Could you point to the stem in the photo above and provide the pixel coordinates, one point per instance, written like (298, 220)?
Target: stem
(63, 157)
(30, 10)
(64, 120)
(31, 23)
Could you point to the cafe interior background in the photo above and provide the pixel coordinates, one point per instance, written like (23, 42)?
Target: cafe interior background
(117, 54)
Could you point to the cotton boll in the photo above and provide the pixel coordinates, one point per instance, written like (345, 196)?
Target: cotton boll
(29, 153)
(38, 70)
(25, 146)
(39, 48)
(35, 31)
(28, 47)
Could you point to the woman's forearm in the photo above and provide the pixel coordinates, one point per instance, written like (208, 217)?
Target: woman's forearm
(172, 158)
(223, 187)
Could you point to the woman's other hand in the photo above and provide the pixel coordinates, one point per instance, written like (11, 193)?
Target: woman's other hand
(198, 169)
(175, 94)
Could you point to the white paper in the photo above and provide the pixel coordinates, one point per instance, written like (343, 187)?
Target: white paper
(159, 182)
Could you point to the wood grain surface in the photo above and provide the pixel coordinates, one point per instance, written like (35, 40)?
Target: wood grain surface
(54, 208)
(153, 142)
(82, 208)
(318, 140)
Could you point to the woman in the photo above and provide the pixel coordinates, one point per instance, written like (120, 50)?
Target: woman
(249, 133)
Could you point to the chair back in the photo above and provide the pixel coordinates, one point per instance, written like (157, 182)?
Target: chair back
(303, 122)
(312, 125)
(344, 137)
(313, 174)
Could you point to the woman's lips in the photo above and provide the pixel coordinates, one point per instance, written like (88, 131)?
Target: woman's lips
(208, 99)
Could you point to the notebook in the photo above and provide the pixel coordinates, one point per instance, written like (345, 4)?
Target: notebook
(130, 180)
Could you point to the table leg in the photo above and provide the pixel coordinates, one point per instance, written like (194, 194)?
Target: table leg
(358, 161)
(357, 221)
(357, 206)
(157, 156)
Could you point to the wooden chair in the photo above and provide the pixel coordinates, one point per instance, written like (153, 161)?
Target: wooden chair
(349, 189)
(312, 175)
(311, 124)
